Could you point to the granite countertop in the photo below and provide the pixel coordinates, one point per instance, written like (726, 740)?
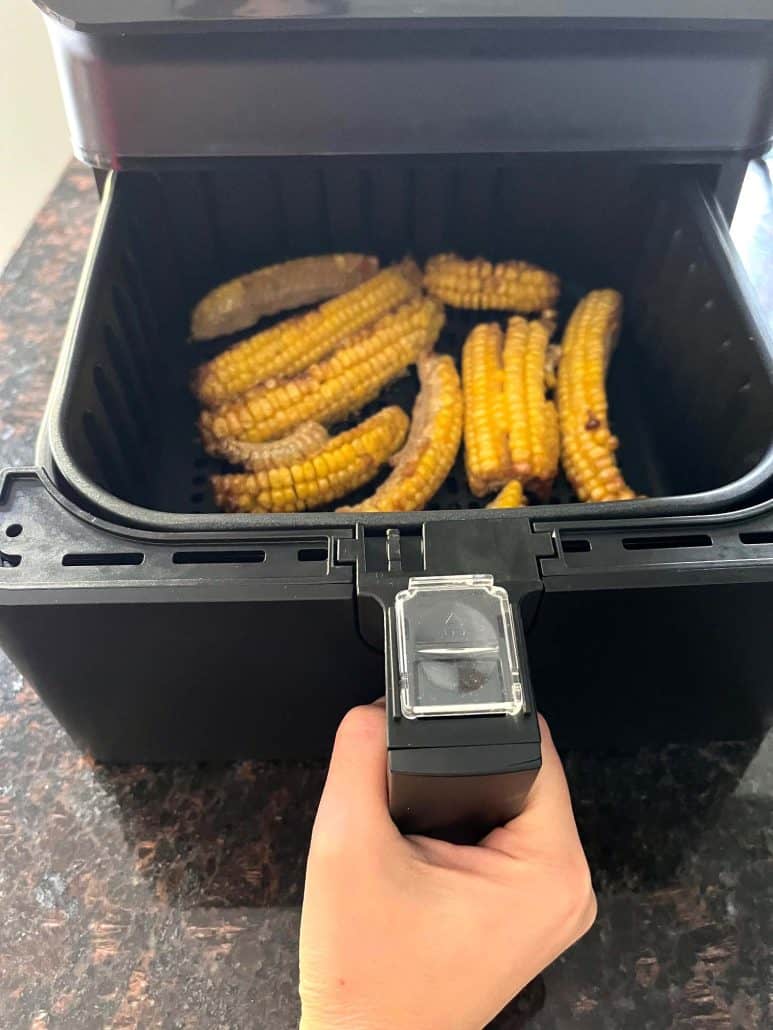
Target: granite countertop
(141, 897)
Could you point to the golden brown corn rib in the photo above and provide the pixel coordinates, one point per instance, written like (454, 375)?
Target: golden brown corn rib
(486, 450)
(293, 345)
(302, 442)
(510, 496)
(346, 462)
(332, 389)
(587, 444)
(241, 302)
(532, 420)
(433, 442)
(477, 284)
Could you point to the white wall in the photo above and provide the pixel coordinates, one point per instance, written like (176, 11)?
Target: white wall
(34, 145)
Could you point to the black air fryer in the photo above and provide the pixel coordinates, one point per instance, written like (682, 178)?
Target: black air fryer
(604, 144)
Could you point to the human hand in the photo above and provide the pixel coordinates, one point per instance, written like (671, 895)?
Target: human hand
(411, 933)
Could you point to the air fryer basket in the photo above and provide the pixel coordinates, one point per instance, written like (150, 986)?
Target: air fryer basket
(691, 384)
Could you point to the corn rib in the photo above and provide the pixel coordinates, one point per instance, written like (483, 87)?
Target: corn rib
(334, 388)
(486, 450)
(510, 426)
(243, 301)
(433, 442)
(293, 345)
(587, 443)
(302, 442)
(510, 496)
(477, 284)
(346, 462)
(532, 419)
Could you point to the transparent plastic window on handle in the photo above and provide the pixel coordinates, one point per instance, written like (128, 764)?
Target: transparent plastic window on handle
(456, 648)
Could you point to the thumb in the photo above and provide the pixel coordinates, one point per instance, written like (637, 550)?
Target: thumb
(354, 803)
(546, 823)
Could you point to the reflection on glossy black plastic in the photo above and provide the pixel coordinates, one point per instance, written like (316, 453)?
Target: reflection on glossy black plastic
(440, 78)
(122, 12)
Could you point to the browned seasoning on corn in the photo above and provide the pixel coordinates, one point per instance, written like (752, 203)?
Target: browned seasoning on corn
(433, 441)
(243, 301)
(477, 284)
(334, 388)
(302, 442)
(293, 345)
(510, 496)
(346, 462)
(552, 359)
(587, 443)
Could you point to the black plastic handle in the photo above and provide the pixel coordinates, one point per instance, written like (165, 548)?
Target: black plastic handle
(459, 777)
(444, 792)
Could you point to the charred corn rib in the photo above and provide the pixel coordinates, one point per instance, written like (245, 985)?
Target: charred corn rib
(433, 441)
(241, 302)
(510, 496)
(332, 389)
(346, 462)
(532, 419)
(291, 346)
(477, 284)
(307, 439)
(587, 444)
(486, 450)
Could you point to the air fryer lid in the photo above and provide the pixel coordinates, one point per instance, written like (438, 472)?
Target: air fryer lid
(146, 80)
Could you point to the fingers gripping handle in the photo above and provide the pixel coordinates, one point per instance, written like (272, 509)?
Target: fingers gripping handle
(462, 733)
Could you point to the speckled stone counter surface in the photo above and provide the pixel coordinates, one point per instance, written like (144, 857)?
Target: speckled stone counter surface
(170, 898)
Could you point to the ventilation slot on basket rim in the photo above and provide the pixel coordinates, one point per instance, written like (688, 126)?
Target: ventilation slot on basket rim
(313, 554)
(761, 536)
(96, 560)
(661, 543)
(9, 561)
(575, 545)
(218, 557)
